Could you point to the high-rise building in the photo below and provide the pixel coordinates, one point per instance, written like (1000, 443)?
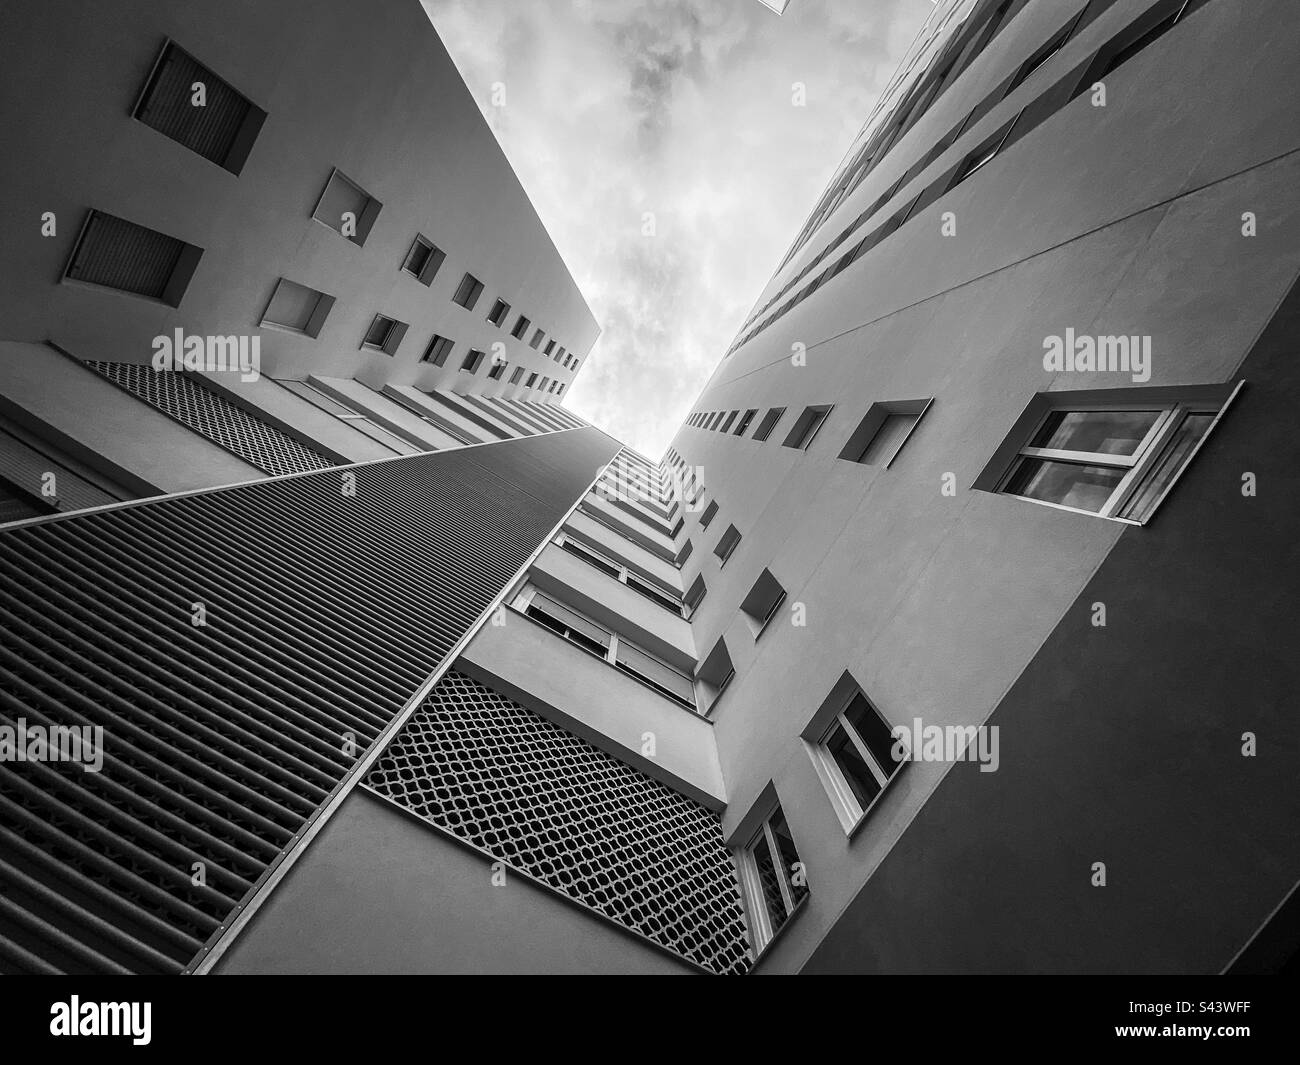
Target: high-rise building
(946, 636)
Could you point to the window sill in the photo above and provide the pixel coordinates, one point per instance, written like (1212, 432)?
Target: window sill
(799, 906)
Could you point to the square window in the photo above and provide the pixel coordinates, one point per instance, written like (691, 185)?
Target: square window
(762, 602)
(423, 260)
(883, 431)
(437, 350)
(347, 208)
(768, 423)
(806, 427)
(297, 308)
(468, 292)
(384, 334)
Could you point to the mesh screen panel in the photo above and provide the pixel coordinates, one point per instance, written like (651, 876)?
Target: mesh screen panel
(537, 797)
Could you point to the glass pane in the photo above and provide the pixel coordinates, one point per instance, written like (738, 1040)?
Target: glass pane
(1103, 432)
(855, 771)
(636, 661)
(767, 879)
(873, 731)
(1067, 483)
(1185, 438)
(789, 856)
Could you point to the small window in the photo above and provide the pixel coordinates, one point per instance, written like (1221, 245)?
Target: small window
(854, 751)
(1138, 38)
(347, 208)
(111, 252)
(762, 602)
(744, 422)
(683, 554)
(498, 313)
(473, 361)
(550, 347)
(538, 337)
(562, 356)
(771, 878)
(517, 376)
(694, 595)
(591, 557)
(437, 350)
(384, 334)
(541, 387)
(1039, 58)
(709, 512)
(221, 128)
(521, 327)
(726, 424)
(806, 427)
(654, 594)
(560, 391)
(497, 368)
(715, 673)
(423, 260)
(569, 624)
(884, 430)
(768, 423)
(727, 545)
(532, 377)
(468, 292)
(297, 308)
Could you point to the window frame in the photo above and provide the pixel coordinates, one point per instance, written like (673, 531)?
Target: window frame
(759, 921)
(432, 264)
(393, 336)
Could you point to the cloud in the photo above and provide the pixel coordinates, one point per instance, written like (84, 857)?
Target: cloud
(622, 112)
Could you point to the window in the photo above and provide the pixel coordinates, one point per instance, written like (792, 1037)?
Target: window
(550, 347)
(981, 156)
(1126, 51)
(297, 308)
(853, 750)
(716, 673)
(384, 334)
(222, 128)
(572, 626)
(113, 253)
(728, 544)
(498, 313)
(423, 260)
(473, 361)
(521, 327)
(468, 292)
(729, 419)
(695, 595)
(541, 385)
(562, 356)
(708, 514)
(497, 369)
(683, 554)
(531, 378)
(762, 602)
(884, 430)
(437, 350)
(772, 878)
(1114, 459)
(538, 337)
(591, 557)
(806, 426)
(768, 423)
(347, 208)
(517, 375)
(1040, 57)
(744, 422)
(560, 391)
(654, 594)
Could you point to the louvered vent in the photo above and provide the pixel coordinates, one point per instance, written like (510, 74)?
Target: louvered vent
(208, 414)
(322, 614)
(537, 797)
(119, 254)
(215, 120)
(17, 505)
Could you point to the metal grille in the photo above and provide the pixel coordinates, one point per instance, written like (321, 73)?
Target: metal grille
(323, 611)
(168, 106)
(537, 797)
(122, 255)
(208, 414)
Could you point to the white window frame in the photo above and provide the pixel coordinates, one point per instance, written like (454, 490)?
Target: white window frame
(851, 813)
(761, 931)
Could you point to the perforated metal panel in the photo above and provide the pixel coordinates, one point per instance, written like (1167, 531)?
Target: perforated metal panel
(539, 798)
(208, 414)
(323, 613)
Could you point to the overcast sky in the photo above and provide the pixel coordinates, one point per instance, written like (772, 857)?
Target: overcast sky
(680, 109)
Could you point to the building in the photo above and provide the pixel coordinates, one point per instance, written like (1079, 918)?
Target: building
(420, 672)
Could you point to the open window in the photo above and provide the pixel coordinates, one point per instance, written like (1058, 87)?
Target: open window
(762, 602)
(773, 881)
(884, 430)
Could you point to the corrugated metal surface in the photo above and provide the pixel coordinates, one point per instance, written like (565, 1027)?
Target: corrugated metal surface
(323, 611)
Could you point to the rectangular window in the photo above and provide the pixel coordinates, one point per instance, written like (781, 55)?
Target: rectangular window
(654, 594)
(771, 879)
(517, 376)
(222, 127)
(853, 751)
(521, 327)
(473, 361)
(538, 337)
(768, 423)
(762, 602)
(806, 426)
(654, 672)
(569, 624)
(683, 554)
(560, 391)
(423, 260)
(347, 208)
(297, 308)
(1113, 459)
(695, 595)
(744, 422)
(468, 292)
(592, 558)
(709, 512)
(541, 387)
(497, 369)
(498, 313)
(981, 156)
(532, 377)
(113, 253)
(562, 356)
(550, 347)
(883, 431)
(727, 545)
(437, 350)
(384, 334)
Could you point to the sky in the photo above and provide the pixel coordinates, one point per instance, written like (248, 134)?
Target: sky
(664, 147)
